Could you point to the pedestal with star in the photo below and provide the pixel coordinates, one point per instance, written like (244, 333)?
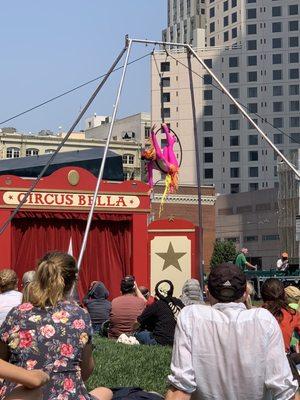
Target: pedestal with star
(172, 252)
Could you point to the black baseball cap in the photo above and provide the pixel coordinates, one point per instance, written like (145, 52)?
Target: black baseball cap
(227, 282)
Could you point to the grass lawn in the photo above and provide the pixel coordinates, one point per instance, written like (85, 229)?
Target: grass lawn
(123, 365)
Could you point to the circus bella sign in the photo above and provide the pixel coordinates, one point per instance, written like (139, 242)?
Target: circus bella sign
(70, 200)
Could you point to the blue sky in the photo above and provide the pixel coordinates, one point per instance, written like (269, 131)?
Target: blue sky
(48, 47)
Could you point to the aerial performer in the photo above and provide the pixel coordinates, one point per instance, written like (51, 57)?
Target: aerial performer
(167, 157)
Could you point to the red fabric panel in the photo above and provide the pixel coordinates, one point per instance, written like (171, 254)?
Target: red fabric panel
(108, 252)
(73, 215)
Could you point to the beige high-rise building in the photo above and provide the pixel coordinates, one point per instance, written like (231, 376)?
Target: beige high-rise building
(253, 47)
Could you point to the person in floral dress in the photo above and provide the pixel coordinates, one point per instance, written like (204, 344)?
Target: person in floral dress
(52, 334)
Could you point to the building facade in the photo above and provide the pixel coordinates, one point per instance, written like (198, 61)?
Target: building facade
(253, 47)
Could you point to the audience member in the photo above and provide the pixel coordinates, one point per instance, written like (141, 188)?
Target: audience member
(26, 380)
(158, 321)
(97, 305)
(226, 351)
(27, 279)
(52, 334)
(292, 294)
(9, 294)
(126, 308)
(146, 293)
(191, 293)
(250, 295)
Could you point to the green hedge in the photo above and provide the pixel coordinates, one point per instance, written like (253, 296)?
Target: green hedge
(124, 365)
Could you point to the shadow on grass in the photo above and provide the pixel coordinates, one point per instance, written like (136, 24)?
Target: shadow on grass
(123, 365)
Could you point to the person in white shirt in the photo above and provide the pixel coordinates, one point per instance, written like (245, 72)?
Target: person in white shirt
(283, 262)
(226, 352)
(9, 295)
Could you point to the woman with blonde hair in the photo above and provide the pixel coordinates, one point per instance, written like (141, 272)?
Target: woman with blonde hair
(9, 294)
(52, 334)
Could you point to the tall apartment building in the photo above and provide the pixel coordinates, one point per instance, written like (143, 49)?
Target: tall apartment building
(253, 47)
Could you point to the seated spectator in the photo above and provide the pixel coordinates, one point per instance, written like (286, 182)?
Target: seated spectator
(97, 304)
(158, 321)
(27, 278)
(52, 334)
(191, 293)
(126, 308)
(9, 294)
(26, 380)
(146, 293)
(292, 294)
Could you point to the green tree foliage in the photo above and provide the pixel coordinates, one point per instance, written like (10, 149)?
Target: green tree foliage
(223, 252)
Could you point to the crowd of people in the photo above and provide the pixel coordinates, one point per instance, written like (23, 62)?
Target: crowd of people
(223, 348)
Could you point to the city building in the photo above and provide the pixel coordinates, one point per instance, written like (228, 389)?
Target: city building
(253, 47)
(21, 145)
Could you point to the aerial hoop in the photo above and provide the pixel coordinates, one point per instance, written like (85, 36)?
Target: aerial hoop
(159, 163)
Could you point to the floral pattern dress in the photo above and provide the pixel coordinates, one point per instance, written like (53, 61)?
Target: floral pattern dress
(50, 339)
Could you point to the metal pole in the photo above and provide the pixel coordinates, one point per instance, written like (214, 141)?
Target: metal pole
(91, 212)
(41, 174)
(198, 174)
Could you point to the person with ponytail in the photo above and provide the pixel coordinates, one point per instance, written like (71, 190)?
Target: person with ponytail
(52, 334)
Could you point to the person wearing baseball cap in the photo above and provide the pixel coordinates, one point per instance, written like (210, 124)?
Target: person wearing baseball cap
(283, 262)
(241, 261)
(225, 351)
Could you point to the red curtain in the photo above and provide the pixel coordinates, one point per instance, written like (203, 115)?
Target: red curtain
(107, 256)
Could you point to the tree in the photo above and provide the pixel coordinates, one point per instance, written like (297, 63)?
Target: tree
(223, 252)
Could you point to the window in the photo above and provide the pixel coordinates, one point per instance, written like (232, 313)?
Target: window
(277, 90)
(253, 187)
(270, 237)
(234, 156)
(294, 105)
(165, 82)
(294, 57)
(234, 172)
(251, 45)
(49, 151)
(233, 17)
(208, 110)
(278, 122)
(165, 97)
(250, 238)
(295, 138)
(278, 138)
(208, 62)
(233, 109)
(277, 43)
(207, 79)
(276, 11)
(208, 157)
(293, 9)
(234, 33)
(293, 26)
(277, 58)
(294, 41)
(207, 94)
(253, 140)
(253, 172)
(251, 13)
(234, 140)
(226, 36)
(165, 66)
(208, 142)
(225, 5)
(211, 27)
(234, 124)
(233, 3)
(276, 27)
(294, 122)
(252, 60)
(208, 173)
(235, 92)
(252, 76)
(233, 62)
(12, 152)
(294, 73)
(32, 152)
(294, 90)
(234, 188)
(212, 41)
(208, 126)
(252, 107)
(252, 91)
(251, 1)
(128, 159)
(166, 112)
(233, 77)
(225, 21)
(277, 74)
(212, 12)
(250, 126)
(277, 106)
(252, 29)
(253, 155)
